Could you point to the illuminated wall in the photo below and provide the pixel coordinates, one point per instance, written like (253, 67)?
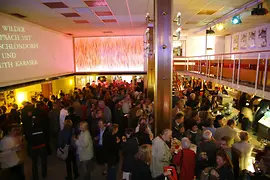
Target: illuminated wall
(64, 84)
(25, 93)
(109, 54)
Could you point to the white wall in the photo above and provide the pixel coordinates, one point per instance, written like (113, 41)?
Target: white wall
(52, 54)
(228, 44)
(219, 44)
(195, 45)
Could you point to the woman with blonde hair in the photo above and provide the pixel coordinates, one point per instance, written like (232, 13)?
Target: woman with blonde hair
(141, 167)
(246, 119)
(85, 149)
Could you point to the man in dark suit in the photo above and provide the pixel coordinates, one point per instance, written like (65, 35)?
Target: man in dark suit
(101, 139)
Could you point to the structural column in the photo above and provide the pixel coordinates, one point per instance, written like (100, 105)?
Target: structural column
(163, 64)
(151, 65)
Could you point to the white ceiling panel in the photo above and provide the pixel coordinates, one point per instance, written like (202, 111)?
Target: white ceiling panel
(138, 7)
(119, 7)
(138, 18)
(40, 14)
(73, 3)
(84, 10)
(64, 10)
(106, 17)
(100, 9)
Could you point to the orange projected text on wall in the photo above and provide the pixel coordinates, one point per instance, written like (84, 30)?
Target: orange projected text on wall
(109, 54)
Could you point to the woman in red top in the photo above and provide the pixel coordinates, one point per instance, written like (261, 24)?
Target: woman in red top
(185, 161)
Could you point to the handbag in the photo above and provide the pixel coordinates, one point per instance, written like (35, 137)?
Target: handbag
(62, 153)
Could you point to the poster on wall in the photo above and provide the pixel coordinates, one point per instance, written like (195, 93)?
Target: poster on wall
(236, 42)
(251, 39)
(262, 38)
(243, 41)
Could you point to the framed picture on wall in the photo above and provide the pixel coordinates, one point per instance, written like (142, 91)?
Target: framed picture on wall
(262, 38)
(236, 42)
(251, 39)
(243, 40)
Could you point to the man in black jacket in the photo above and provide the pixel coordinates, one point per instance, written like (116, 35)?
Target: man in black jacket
(38, 144)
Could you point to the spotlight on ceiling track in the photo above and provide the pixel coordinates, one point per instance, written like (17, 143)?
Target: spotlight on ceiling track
(147, 18)
(178, 19)
(236, 20)
(210, 31)
(259, 11)
(220, 27)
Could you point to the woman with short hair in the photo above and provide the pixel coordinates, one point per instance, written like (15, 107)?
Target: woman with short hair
(141, 169)
(85, 150)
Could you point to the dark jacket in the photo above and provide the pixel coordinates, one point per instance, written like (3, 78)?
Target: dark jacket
(225, 173)
(141, 171)
(112, 149)
(64, 137)
(129, 149)
(176, 134)
(210, 148)
(143, 138)
(54, 121)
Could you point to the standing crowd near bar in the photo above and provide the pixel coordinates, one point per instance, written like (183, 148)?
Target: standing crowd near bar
(112, 125)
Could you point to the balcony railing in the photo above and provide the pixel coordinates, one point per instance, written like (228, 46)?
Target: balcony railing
(237, 70)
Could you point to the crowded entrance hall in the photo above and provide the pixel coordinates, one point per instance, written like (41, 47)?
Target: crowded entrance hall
(134, 90)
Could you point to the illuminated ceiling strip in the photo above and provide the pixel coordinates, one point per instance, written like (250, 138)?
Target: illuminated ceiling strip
(129, 13)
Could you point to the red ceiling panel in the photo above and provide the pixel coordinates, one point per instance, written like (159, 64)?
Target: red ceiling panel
(108, 13)
(109, 20)
(96, 3)
(70, 14)
(54, 5)
(81, 21)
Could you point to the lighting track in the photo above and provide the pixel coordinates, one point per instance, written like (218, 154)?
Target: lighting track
(231, 14)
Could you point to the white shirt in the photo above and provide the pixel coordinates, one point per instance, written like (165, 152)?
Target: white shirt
(8, 156)
(62, 117)
(245, 149)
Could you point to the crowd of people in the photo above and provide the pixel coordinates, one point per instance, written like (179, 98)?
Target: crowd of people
(102, 122)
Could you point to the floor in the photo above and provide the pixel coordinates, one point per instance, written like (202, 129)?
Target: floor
(57, 170)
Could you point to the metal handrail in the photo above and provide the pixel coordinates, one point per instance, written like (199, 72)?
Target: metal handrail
(234, 80)
(224, 54)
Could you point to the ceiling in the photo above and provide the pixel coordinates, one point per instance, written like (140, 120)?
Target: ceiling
(124, 17)
(198, 13)
(84, 18)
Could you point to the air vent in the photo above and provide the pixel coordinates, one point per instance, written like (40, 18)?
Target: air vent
(207, 12)
(70, 14)
(81, 21)
(109, 20)
(96, 3)
(18, 15)
(107, 32)
(55, 5)
(69, 34)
